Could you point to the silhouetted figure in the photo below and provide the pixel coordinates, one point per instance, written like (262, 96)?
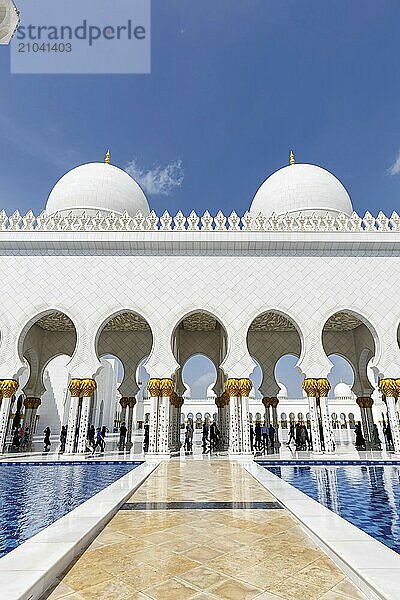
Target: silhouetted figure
(103, 435)
(189, 438)
(388, 434)
(205, 436)
(99, 441)
(46, 441)
(303, 435)
(214, 435)
(122, 436)
(91, 436)
(257, 432)
(251, 437)
(360, 440)
(264, 435)
(63, 438)
(271, 435)
(146, 439)
(291, 433)
(375, 440)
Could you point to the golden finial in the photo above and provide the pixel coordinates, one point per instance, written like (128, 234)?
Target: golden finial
(107, 159)
(292, 160)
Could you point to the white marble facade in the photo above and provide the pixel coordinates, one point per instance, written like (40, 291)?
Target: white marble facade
(98, 273)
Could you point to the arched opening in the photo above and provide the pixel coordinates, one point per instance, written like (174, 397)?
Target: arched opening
(123, 343)
(199, 376)
(288, 377)
(349, 341)
(46, 344)
(271, 336)
(199, 344)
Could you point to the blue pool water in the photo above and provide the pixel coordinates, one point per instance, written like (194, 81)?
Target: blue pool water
(366, 496)
(34, 495)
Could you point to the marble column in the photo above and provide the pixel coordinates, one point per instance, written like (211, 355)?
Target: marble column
(87, 389)
(365, 404)
(274, 406)
(131, 402)
(311, 388)
(81, 391)
(160, 392)
(239, 430)
(31, 405)
(323, 387)
(390, 389)
(124, 403)
(267, 415)
(8, 387)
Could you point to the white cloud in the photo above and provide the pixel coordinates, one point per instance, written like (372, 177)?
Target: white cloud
(158, 180)
(395, 168)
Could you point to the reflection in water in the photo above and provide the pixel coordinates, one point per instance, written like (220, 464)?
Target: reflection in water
(33, 496)
(366, 496)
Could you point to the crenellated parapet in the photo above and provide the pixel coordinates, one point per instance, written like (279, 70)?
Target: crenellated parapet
(339, 223)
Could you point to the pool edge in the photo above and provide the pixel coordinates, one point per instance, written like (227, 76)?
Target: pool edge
(49, 559)
(367, 579)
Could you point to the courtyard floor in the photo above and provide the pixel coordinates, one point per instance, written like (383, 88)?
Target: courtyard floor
(156, 549)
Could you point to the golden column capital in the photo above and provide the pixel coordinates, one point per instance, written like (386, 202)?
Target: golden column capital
(153, 387)
(88, 387)
(266, 402)
(389, 387)
(323, 387)
(124, 401)
(225, 397)
(310, 386)
(131, 401)
(8, 387)
(74, 387)
(364, 402)
(232, 387)
(166, 387)
(273, 402)
(245, 387)
(173, 398)
(179, 402)
(32, 403)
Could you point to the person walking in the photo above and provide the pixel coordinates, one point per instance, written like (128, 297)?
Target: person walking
(189, 437)
(360, 440)
(46, 441)
(251, 437)
(91, 436)
(205, 436)
(271, 435)
(146, 439)
(257, 433)
(264, 434)
(104, 431)
(375, 439)
(291, 433)
(213, 436)
(122, 436)
(63, 438)
(99, 441)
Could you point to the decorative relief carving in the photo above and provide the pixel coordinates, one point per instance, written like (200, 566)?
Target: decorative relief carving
(199, 321)
(124, 222)
(8, 387)
(389, 387)
(80, 388)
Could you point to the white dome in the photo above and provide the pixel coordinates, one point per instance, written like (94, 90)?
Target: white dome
(301, 188)
(342, 390)
(97, 187)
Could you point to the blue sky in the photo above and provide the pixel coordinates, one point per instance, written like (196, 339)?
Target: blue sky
(234, 86)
